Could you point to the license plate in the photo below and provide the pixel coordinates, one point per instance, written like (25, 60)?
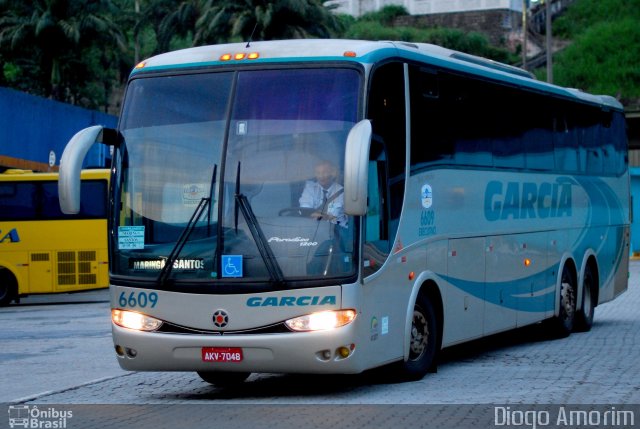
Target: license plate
(222, 354)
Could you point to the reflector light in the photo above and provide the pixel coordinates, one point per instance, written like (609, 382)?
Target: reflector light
(239, 56)
(140, 65)
(344, 352)
(225, 57)
(350, 54)
(527, 262)
(253, 56)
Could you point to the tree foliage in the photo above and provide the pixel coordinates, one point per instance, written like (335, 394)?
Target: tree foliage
(49, 46)
(81, 51)
(379, 26)
(241, 20)
(604, 60)
(604, 56)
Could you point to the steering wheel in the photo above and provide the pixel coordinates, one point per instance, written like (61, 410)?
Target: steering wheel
(297, 211)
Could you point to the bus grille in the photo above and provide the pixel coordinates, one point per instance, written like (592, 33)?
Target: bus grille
(75, 268)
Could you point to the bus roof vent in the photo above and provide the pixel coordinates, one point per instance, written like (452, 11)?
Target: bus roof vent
(492, 64)
(408, 45)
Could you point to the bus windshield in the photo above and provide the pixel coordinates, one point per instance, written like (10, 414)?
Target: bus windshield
(235, 177)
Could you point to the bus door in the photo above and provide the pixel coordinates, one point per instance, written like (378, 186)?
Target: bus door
(386, 111)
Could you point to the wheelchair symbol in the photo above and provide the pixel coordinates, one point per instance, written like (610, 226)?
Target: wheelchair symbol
(231, 265)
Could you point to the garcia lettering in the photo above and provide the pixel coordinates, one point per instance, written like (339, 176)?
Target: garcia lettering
(290, 301)
(526, 200)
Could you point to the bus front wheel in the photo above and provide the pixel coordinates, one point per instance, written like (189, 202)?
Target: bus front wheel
(423, 341)
(8, 287)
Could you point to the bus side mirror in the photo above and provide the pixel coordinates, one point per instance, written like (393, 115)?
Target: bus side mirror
(71, 164)
(356, 165)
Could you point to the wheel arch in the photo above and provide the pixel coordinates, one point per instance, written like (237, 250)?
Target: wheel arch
(426, 284)
(9, 277)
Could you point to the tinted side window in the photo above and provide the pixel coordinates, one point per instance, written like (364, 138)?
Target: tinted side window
(431, 122)
(386, 109)
(465, 121)
(39, 201)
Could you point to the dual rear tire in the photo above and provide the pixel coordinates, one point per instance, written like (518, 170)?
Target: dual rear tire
(570, 318)
(584, 316)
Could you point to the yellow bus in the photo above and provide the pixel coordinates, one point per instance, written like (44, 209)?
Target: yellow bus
(43, 250)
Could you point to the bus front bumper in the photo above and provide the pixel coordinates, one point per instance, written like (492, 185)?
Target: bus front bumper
(332, 351)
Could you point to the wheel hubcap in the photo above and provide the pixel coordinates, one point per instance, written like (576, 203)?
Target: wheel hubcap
(419, 335)
(568, 299)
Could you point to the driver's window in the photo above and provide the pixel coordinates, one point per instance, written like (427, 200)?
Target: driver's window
(376, 246)
(386, 110)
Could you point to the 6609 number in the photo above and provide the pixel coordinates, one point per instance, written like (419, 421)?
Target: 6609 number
(138, 299)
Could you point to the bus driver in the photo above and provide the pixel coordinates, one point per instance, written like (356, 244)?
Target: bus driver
(325, 195)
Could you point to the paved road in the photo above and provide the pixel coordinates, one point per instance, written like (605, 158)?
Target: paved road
(54, 342)
(61, 353)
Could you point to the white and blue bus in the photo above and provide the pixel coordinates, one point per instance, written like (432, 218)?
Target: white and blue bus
(462, 198)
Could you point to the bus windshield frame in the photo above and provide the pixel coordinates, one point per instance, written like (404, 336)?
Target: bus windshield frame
(218, 174)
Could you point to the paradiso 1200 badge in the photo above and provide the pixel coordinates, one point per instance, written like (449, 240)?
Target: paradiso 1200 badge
(301, 241)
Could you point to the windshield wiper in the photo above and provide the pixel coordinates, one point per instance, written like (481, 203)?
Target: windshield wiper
(182, 240)
(275, 272)
(211, 193)
(205, 202)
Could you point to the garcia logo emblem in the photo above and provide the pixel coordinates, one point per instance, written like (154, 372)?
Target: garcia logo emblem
(220, 318)
(426, 196)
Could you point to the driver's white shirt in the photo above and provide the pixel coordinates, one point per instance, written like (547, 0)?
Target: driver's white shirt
(313, 196)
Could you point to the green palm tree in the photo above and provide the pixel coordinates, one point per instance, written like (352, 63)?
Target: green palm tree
(230, 20)
(167, 19)
(55, 32)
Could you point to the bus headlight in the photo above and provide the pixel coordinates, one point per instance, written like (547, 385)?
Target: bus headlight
(321, 321)
(133, 320)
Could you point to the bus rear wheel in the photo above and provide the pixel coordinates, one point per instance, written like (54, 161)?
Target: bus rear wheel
(223, 379)
(563, 323)
(584, 317)
(423, 341)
